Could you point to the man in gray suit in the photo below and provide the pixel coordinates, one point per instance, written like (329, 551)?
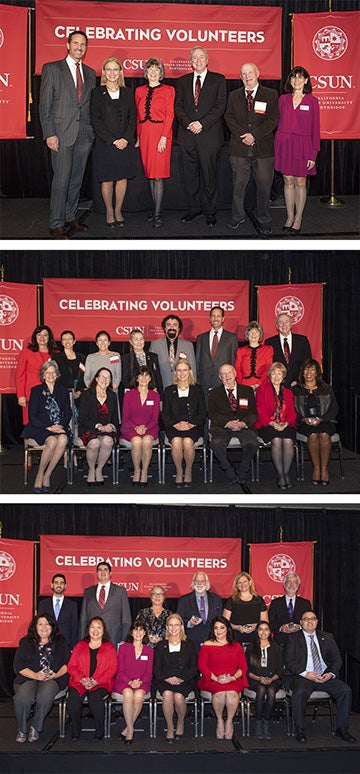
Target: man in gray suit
(107, 601)
(170, 349)
(214, 348)
(64, 108)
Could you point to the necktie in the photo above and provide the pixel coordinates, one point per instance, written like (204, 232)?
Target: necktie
(315, 655)
(250, 100)
(232, 400)
(202, 609)
(197, 89)
(171, 353)
(102, 597)
(57, 609)
(286, 350)
(79, 81)
(214, 346)
(290, 610)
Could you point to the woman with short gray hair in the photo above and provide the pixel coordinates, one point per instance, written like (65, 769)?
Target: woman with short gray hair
(253, 361)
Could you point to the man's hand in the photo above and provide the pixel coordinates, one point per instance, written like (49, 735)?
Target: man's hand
(53, 143)
(195, 127)
(247, 138)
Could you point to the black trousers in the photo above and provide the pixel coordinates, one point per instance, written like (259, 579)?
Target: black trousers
(337, 689)
(220, 437)
(200, 174)
(96, 705)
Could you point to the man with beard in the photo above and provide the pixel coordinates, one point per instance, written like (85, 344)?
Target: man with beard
(170, 348)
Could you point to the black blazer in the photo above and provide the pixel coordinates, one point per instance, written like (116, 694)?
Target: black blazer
(209, 110)
(295, 655)
(278, 615)
(68, 618)
(261, 125)
(27, 656)
(187, 607)
(66, 378)
(152, 362)
(113, 119)
(187, 661)
(300, 351)
(196, 407)
(207, 370)
(220, 411)
(88, 416)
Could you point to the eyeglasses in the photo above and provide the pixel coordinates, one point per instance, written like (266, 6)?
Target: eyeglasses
(309, 619)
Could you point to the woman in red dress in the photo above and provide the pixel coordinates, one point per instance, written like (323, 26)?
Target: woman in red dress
(223, 668)
(253, 362)
(276, 421)
(155, 115)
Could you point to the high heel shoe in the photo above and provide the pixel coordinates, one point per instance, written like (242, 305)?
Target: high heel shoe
(129, 741)
(111, 225)
(281, 484)
(143, 484)
(325, 483)
(316, 481)
(295, 231)
(91, 483)
(287, 228)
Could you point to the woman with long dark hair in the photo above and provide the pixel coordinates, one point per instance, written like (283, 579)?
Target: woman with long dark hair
(133, 676)
(265, 668)
(140, 417)
(98, 424)
(41, 348)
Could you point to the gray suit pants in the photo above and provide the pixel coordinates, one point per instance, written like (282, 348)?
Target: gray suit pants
(68, 165)
(25, 696)
(262, 171)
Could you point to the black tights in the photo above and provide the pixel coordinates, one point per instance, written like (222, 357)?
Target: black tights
(282, 453)
(265, 700)
(157, 193)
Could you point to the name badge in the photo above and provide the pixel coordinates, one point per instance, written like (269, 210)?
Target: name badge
(82, 367)
(304, 107)
(183, 354)
(114, 358)
(149, 402)
(243, 402)
(260, 107)
(144, 658)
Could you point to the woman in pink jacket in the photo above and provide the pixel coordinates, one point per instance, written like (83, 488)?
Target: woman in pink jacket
(140, 416)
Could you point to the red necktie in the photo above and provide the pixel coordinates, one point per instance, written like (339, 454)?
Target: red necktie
(214, 346)
(79, 82)
(197, 89)
(102, 597)
(286, 350)
(232, 400)
(250, 100)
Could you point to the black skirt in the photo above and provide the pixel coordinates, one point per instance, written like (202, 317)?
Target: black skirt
(268, 433)
(110, 163)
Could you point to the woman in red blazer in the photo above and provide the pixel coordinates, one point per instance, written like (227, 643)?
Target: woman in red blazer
(276, 421)
(252, 362)
(92, 668)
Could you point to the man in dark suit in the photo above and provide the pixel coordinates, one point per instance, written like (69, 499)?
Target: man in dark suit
(289, 348)
(198, 608)
(213, 349)
(232, 413)
(107, 601)
(314, 660)
(64, 109)
(170, 348)
(63, 609)
(285, 612)
(252, 114)
(200, 104)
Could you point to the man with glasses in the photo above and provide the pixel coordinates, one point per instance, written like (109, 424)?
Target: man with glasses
(313, 659)
(198, 608)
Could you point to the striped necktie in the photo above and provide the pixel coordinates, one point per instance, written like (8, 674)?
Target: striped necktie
(315, 655)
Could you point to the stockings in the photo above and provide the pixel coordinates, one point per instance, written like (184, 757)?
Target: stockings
(157, 193)
(282, 453)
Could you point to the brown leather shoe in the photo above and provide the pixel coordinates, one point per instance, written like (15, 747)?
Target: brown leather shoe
(58, 233)
(77, 226)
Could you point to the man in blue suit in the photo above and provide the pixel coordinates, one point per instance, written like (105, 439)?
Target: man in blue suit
(198, 608)
(63, 609)
(64, 109)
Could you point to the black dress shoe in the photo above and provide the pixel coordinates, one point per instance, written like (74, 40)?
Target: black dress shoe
(295, 231)
(128, 741)
(287, 228)
(265, 233)
(235, 224)
(189, 216)
(59, 233)
(99, 483)
(120, 224)
(75, 225)
(231, 475)
(344, 734)
(110, 225)
(300, 736)
(157, 222)
(91, 483)
(211, 220)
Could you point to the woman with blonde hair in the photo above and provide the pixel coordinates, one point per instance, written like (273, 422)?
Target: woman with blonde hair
(113, 118)
(245, 608)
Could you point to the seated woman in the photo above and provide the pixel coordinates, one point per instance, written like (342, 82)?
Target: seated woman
(183, 417)
(175, 672)
(98, 424)
(103, 358)
(253, 361)
(49, 417)
(40, 666)
(265, 667)
(140, 417)
(317, 409)
(92, 668)
(276, 421)
(133, 676)
(137, 357)
(244, 609)
(154, 617)
(222, 664)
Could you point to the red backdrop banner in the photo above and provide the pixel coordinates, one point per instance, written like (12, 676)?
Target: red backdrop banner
(16, 590)
(327, 45)
(137, 31)
(303, 302)
(13, 72)
(139, 562)
(270, 562)
(17, 320)
(120, 305)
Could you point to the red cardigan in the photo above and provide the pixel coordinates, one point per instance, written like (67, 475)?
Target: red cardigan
(265, 406)
(263, 356)
(79, 666)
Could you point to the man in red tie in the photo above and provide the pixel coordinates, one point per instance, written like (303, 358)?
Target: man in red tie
(214, 348)
(252, 114)
(107, 601)
(291, 349)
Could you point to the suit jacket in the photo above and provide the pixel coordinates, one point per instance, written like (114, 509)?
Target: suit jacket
(39, 417)
(60, 112)
(68, 618)
(116, 612)
(261, 125)
(152, 363)
(207, 369)
(209, 110)
(220, 411)
(187, 607)
(184, 348)
(196, 407)
(295, 656)
(265, 406)
(300, 351)
(88, 416)
(278, 615)
(112, 119)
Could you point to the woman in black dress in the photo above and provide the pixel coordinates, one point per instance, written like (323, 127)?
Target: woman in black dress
(98, 424)
(245, 608)
(265, 668)
(183, 417)
(113, 118)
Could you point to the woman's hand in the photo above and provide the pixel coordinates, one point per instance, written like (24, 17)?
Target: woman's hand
(265, 680)
(141, 429)
(173, 680)
(162, 145)
(183, 426)
(121, 144)
(22, 401)
(134, 684)
(312, 421)
(56, 429)
(310, 164)
(105, 428)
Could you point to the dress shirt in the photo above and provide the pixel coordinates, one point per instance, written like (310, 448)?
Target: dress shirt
(289, 341)
(211, 336)
(234, 391)
(309, 663)
(202, 78)
(107, 589)
(254, 90)
(287, 600)
(72, 65)
(198, 597)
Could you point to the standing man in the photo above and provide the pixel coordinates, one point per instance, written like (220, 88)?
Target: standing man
(107, 601)
(198, 608)
(170, 348)
(285, 612)
(291, 349)
(65, 92)
(232, 412)
(200, 104)
(313, 659)
(252, 114)
(63, 609)
(213, 349)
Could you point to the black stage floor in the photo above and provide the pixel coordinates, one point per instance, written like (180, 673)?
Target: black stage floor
(28, 219)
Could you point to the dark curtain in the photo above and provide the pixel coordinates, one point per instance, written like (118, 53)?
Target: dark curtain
(25, 163)
(339, 271)
(336, 533)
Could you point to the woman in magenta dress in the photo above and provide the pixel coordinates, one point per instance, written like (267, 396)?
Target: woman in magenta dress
(276, 422)
(134, 674)
(297, 143)
(223, 668)
(140, 417)
(253, 362)
(155, 115)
